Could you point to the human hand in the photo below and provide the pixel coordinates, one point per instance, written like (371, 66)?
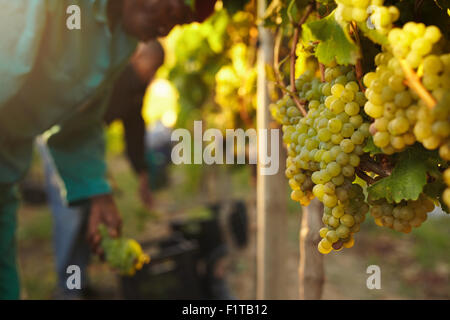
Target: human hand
(103, 211)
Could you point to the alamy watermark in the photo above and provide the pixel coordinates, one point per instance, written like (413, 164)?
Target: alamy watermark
(374, 280)
(73, 281)
(190, 150)
(73, 22)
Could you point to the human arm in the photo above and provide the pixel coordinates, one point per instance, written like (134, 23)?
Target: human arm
(78, 150)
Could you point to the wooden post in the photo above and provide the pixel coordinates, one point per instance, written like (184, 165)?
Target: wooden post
(271, 203)
(311, 271)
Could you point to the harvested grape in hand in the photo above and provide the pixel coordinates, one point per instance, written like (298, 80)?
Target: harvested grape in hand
(122, 254)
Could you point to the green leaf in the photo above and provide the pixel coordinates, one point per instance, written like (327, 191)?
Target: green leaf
(334, 42)
(292, 10)
(406, 181)
(371, 148)
(373, 34)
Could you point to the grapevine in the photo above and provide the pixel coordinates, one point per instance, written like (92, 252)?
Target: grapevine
(354, 127)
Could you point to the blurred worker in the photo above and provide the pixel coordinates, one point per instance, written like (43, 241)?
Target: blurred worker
(124, 104)
(53, 77)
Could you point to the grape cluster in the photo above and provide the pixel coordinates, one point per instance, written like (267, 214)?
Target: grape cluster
(413, 42)
(379, 16)
(123, 255)
(324, 149)
(352, 10)
(392, 105)
(382, 17)
(433, 125)
(401, 217)
(401, 117)
(285, 112)
(344, 218)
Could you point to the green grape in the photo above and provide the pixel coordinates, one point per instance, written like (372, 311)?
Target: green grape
(324, 134)
(357, 138)
(334, 169)
(375, 111)
(357, 121)
(337, 106)
(343, 158)
(347, 130)
(352, 108)
(347, 145)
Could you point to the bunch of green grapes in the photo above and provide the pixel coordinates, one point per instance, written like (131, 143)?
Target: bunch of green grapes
(420, 47)
(413, 42)
(398, 110)
(403, 216)
(353, 10)
(123, 255)
(342, 132)
(391, 103)
(342, 220)
(285, 112)
(324, 148)
(433, 124)
(380, 16)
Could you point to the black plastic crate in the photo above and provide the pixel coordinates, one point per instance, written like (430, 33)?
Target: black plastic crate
(208, 232)
(171, 274)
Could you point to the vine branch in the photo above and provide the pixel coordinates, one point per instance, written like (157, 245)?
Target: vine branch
(414, 83)
(276, 59)
(322, 72)
(309, 9)
(358, 66)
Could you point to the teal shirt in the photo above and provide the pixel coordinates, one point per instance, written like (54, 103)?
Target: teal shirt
(50, 75)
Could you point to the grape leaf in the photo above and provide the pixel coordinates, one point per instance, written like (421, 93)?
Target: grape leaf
(371, 148)
(406, 181)
(334, 41)
(373, 34)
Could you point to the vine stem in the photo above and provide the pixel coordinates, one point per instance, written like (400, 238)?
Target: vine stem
(358, 66)
(277, 64)
(322, 72)
(276, 59)
(309, 10)
(413, 81)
